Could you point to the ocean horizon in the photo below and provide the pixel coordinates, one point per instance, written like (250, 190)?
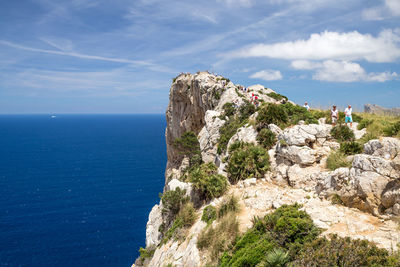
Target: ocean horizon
(76, 189)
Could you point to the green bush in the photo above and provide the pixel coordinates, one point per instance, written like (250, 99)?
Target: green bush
(297, 113)
(273, 240)
(229, 110)
(342, 133)
(246, 160)
(209, 214)
(351, 148)
(173, 200)
(277, 96)
(185, 218)
(364, 123)
(393, 129)
(343, 252)
(337, 160)
(219, 238)
(266, 138)
(188, 145)
(230, 204)
(207, 181)
(246, 110)
(336, 199)
(226, 132)
(272, 113)
(146, 253)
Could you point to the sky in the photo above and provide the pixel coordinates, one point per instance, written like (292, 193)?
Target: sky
(88, 56)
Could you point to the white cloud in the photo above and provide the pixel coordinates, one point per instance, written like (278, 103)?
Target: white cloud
(331, 46)
(390, 8)
(267, 75)
(341, 71)
(245, 3)
(393, 6)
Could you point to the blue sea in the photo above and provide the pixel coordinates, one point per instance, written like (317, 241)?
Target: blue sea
(76, 190)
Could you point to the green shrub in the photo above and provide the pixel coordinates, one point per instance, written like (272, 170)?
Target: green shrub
(277, 96)
(246, 160)
(364, 123)
(229, 110)
(393, 129)
(343, 252)
(266, 138)
(146, 253)
(189, 145)
(297, 113)
(337, 160)
(209, 214)
(217, 239)
(246, 110)
(271, 239)
(342, 133)
(336, 199)
(226, 132)
(207, 181)
(186, 217)
(351, 148)
(272, 113)
(230, 204)
(172, 201)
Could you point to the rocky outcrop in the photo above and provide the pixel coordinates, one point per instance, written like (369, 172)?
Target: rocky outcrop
(375, 109)
(297, 172)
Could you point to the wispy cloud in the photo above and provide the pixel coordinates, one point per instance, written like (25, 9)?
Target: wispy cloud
(153, 66)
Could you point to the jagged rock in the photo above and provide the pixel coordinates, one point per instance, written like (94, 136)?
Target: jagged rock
(379, 165)
(386, 147)
(245, 134)
(297, 155)
(190, 97)
(305, 135)
(175, 183)
(209, 135)
(153, 236)
(375, 109)
(275, 129)
(300, 177)
(391, 194)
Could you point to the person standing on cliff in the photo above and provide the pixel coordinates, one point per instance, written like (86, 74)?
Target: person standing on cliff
(348, 118)
(334, 115)
(306, 106)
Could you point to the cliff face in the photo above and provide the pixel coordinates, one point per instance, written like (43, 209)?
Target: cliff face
(297, 172)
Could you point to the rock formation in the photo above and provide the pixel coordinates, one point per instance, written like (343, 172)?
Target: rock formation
(375, 109)
(369, 190)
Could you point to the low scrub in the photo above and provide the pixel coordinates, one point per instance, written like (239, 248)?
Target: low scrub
(226, 132)
(246, 160)
(219, 238)
(230, 204)
(344, 252)
(351, 148)
(277, 96)
(337, 159)
(207, 181)
(186, 217)
(173, 200)
(188, 145)
(342, 133)
(209, 214)
(364, 123)
(393, 129)
(266, 138)
(273, 240)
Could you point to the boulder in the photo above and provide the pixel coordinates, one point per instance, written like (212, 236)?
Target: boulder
(297, 155)
(375, 164)
(305, 135)
(245, 134)
(275, 129)
(386, 147)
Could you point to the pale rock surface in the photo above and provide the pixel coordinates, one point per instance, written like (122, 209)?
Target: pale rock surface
(302, 155)
(386, 147)
(209, 135)
(305, 135)
(175, 183)
(245, 134)
(275, 129)
(153, 236)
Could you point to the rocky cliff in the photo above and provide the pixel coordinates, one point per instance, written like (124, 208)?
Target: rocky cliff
(368, 189)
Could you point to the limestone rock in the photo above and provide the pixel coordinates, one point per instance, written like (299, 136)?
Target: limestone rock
(379, 165)
(275, 129)
(245, 134)
(153, 236)
(297, 155)
(386, 147)
(209, 135)
(301, 135)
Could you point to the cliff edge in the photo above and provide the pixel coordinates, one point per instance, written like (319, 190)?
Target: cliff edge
(255, 150)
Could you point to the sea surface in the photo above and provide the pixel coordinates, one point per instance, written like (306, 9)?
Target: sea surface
(76, 190)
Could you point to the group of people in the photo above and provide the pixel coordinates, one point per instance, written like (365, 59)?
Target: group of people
(335, 114)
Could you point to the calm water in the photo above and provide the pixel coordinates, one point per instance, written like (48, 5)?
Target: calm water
(76, 190)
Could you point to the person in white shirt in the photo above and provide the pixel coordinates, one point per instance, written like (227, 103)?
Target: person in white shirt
(348, 118)
(334, 115)
(306, 106)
